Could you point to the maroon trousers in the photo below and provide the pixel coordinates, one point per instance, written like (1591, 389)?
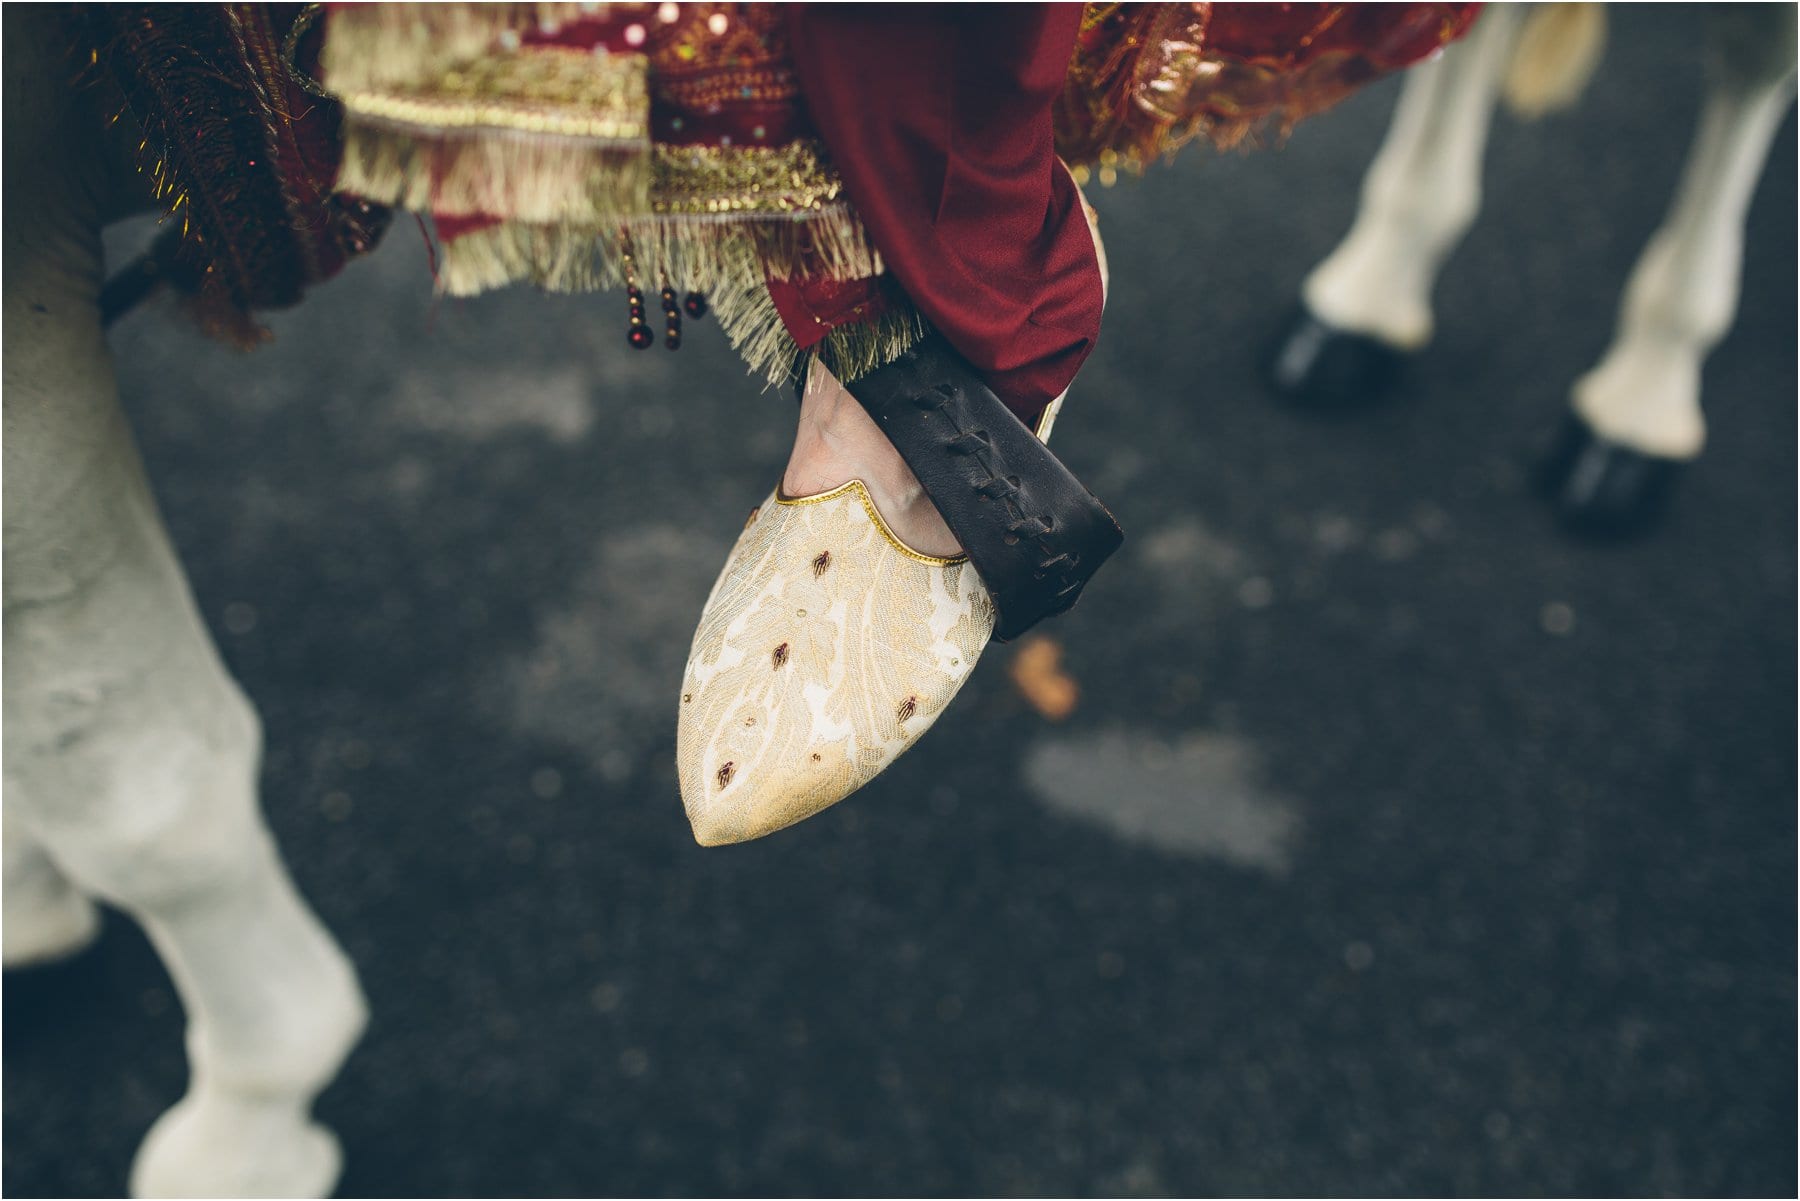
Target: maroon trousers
(938, 118)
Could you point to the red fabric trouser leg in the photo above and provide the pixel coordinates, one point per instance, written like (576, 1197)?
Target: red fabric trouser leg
(938, 117)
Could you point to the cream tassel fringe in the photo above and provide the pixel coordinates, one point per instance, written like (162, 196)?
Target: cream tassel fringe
(539, 178)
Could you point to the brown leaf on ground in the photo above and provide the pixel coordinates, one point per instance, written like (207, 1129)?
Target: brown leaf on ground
(1037, 673)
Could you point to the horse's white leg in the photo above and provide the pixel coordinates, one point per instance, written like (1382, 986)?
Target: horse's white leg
(1421, 194)
(1370, 299)
(1644, 394)
(130, 755)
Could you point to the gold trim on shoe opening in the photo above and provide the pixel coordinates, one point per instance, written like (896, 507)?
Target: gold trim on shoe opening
(868, 504)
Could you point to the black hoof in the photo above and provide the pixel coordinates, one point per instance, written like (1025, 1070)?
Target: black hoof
(1603, 488)
(1327, 368)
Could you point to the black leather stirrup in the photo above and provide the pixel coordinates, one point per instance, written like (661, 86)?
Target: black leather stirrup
(1032, 530)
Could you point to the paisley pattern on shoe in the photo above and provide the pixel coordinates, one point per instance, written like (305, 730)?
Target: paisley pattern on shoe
(826, 649)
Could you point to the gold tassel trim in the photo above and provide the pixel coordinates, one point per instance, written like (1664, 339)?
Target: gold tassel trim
(537, 178)
(852, 351)
(728, 258)
(755, 330)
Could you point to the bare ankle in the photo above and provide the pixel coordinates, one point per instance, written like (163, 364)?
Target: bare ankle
(837, 442)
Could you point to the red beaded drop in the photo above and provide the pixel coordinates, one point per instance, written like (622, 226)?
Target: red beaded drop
(638, 333)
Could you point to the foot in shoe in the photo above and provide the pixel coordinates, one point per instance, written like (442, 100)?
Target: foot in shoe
(832, 639)
(837, 442)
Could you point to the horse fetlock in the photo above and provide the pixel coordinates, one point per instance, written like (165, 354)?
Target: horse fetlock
(1645, 395)
(1374, 284)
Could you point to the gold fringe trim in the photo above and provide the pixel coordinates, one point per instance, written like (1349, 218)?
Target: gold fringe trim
(852, 351)
(706, 254)
(730, 259)
(377, 46)
(755, 330)
(511, 252)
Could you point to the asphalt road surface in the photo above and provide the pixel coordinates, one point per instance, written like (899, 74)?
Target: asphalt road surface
(1397, 844)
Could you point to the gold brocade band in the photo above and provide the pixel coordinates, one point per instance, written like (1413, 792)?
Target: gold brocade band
(376, 47)
(540, 90)
(542, 134)
(750, 180)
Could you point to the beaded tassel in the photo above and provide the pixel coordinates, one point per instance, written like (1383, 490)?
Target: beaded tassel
(639, 336)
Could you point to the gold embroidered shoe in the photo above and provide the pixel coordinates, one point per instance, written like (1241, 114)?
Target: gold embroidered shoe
(827, 647)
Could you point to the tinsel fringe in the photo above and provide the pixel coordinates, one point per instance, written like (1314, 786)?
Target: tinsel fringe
(852, 351)
(539, 178)
(1145, 81)
(380, 46)
(755, 328)
(1141, 98)
(1098, 117)
(756, 331)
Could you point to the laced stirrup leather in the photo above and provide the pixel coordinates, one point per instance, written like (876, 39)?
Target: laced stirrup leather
(1035, 534)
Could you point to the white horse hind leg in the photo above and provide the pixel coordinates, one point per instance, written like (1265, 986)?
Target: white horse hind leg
(1369, 302)
(1637, 413)
(130, 756)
